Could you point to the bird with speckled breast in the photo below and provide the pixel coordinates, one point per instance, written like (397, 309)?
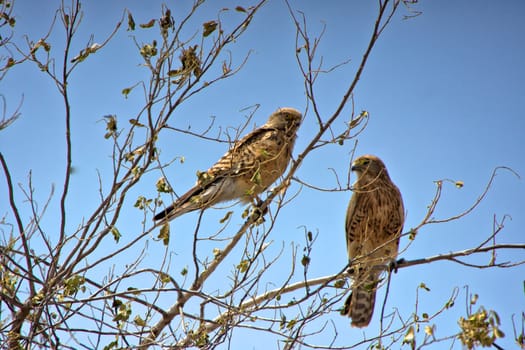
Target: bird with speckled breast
(246, 170)
(374, 221)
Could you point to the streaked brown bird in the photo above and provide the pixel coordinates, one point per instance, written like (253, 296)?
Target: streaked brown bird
(374, 221)
(246, 170)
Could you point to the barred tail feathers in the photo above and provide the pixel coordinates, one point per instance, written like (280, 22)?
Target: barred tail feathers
(199, 197)
(359, 305)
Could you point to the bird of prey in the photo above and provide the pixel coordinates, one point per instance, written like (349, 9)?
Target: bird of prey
(246, 170)
(374, 221)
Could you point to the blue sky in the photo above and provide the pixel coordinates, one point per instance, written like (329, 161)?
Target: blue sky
(445, 95)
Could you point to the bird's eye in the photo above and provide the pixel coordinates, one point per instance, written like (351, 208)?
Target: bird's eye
(366, 161)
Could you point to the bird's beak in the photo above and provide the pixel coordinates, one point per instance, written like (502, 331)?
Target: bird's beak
(356, 166)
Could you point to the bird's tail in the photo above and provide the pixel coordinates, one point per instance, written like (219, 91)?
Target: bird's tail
(198, 197)
(186, 203)
(360, 303)
(164, 214)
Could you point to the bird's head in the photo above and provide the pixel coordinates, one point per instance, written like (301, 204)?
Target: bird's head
(369, 166)
(286, 118)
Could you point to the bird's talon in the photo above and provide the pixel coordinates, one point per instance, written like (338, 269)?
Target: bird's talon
(257, 201)
(245, 163)
(350, 270)
(374, 222)
(257, 207)
(394, 264)
(257, 215)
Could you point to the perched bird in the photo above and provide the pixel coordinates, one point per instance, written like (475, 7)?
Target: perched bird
(246, 170)
(374, 221)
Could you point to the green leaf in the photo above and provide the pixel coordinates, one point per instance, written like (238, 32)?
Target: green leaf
(291, 324)
(148, 50)
(111, 126)
(112, 345)
(136, 171)
(142, 202)
(150, 24)
(116, 303)
(164, 278)
(164, 234)
(133, 290)
(10, 62)
(208, 28)
(225, 68)
(173, 73)
(126, 92)
(163, 186)
(46, 46)
(83, 54)
(116, 234)
(283, 321)
(305, 260)
(226, 217)
(123, 312)
(131, 22)
(339, 283)
(139, 321)
(424, 286)
(498, 333)
(429, 330)
(409, 336)
(243, 266)
(166, 22)
(74, 284)
(135, 122)
(240, 9)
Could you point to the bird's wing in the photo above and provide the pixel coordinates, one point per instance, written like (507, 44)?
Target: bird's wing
(396, 218)
(356, 222)
(239, 159)
(243, 155)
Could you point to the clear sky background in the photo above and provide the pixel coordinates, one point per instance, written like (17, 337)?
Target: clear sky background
(446, 97)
